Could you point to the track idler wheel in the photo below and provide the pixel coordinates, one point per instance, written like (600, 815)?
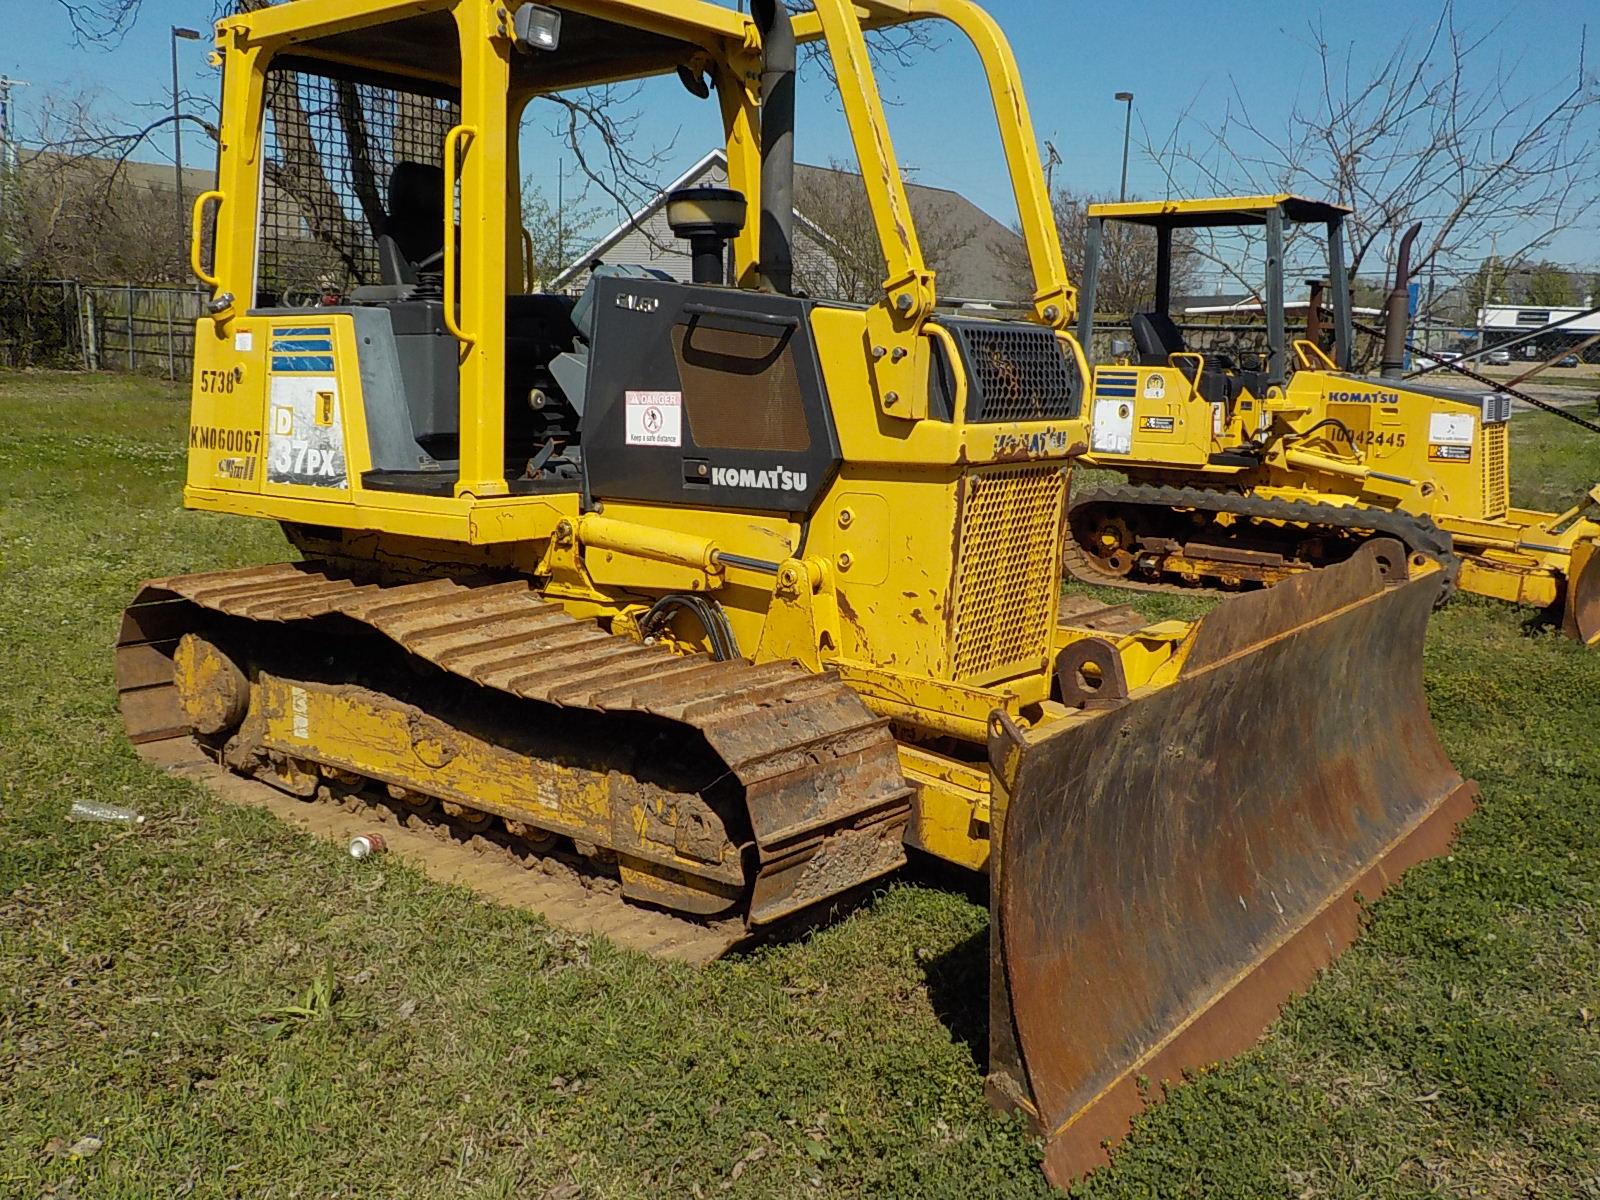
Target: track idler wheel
(212, 689)
(1110, 545)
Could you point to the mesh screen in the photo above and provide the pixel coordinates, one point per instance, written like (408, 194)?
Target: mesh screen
(1496, 476)
(741, 391)
(329, 147)
(1009, 573)
(1018, 373)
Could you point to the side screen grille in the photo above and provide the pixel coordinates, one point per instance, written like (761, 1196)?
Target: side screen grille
(741, 391)
(1016, 372)
(1009, 574)
(1496, 476)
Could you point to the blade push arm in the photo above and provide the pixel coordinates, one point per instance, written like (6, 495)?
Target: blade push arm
(1054, 298)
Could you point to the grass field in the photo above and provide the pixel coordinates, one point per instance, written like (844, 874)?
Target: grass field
(230, 1008)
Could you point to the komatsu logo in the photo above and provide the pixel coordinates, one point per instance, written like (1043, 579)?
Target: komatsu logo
(1363, 397)
(776, 479)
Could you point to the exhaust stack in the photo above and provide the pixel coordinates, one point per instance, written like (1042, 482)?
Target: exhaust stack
(1396, 319)
(777, 144)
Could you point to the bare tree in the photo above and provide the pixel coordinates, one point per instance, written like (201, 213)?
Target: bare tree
(839, 255)
(77, 208)
(1441, 130)
(1127, 278)
(556, 234)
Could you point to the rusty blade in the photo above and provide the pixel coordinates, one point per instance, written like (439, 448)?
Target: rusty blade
(1580, 616)
(1172, 869)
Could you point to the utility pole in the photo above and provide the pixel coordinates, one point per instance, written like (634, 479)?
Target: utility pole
(1488, 282)
(1052, 159)
(188, 35)
(1127, 131)
(8, 145)
(8, 157)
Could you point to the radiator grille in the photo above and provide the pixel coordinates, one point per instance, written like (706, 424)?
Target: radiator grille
(1017, 372)
(1009, 571)
(1496, 476)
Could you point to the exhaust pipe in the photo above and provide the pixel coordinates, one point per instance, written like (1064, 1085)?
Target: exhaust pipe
(777, 144)
(1314, 311)
(1396, 319)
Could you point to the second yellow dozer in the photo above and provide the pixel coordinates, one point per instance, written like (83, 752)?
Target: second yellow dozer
(1246, 468)
(723, 596)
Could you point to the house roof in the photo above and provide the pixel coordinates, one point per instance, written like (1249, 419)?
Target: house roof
(976, 267)
(153, 176)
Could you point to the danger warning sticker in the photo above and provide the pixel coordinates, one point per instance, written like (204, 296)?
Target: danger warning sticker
(654, 419)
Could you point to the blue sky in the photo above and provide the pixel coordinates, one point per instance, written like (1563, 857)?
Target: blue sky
(1177, 57)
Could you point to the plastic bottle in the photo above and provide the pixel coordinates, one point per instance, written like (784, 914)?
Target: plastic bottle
(94, 810)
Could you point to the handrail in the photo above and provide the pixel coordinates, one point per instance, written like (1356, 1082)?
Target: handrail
(1312, 357)
(908, 284)
(527, 260)
(840, 23)
(452, 174)
(197, 220)
(1173, 360)
(1055, 299)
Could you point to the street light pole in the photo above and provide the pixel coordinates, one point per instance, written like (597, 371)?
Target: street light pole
(188, 35)
(1127, 130)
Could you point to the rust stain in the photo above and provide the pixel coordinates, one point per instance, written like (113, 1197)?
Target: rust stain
(1155, 909)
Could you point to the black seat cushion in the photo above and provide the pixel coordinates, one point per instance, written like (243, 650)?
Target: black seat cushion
(416, 210)
(1156, 335)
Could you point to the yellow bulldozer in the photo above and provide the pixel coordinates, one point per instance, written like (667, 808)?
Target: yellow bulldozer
(1248, 465)
(724, 596)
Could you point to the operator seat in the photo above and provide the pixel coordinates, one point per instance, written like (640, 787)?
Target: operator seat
(413, 229)
(1157, 336)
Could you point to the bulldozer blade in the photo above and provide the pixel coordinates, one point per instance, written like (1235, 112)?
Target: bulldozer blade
(1175, 865)
(1580, 616)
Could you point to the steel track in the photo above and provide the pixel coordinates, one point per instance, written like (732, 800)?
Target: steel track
(1417, 534)
(819, 771)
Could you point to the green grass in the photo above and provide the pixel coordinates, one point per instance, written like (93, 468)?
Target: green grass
(1553, 461)
(235, 1009)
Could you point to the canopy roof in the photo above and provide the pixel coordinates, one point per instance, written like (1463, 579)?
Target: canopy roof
(1219, 210)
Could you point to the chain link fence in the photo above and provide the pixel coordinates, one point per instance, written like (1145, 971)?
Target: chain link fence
(1243, 342)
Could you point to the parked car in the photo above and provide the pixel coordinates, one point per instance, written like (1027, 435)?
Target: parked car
(1430, 358)
(1570, 360)
(1498, 358)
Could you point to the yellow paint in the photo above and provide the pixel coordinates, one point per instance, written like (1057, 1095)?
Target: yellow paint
(950, 816)
(377, 737)
(1339, 439)
(928, 573)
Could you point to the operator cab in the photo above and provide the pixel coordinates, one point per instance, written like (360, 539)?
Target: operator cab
(353, 221)
(1226, 375)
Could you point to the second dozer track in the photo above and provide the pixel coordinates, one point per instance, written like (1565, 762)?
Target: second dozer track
(710, 788)
(1188, 539)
